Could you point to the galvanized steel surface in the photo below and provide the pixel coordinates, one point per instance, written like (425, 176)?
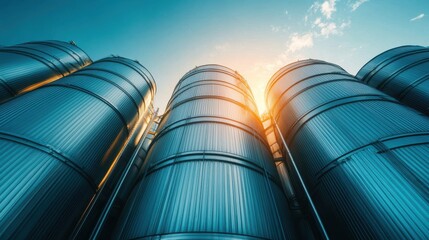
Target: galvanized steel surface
(59, 142)
(363, 156)
(209, 173)
(403, 73)
(26, 66)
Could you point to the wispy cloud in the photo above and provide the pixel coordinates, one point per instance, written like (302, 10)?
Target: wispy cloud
(298, 42)
(418, 17)
(275, 28)
(328, 8)
(327, 29)
(357, 4)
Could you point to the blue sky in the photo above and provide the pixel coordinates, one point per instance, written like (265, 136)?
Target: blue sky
(256, 38)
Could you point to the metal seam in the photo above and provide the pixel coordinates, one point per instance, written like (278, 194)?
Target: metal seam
(176, 95)
(309, 87)
(82, 73)
(51, 151)
(412, 86)
(287, 69)
(123, 62)
(385, 148)
(7, 87)
(35, 57)
(116, 74)
(244, 106)
(371, 73)
(301, 121)
(69, 86)
(399, 71)
(217, 82)
(187, 121)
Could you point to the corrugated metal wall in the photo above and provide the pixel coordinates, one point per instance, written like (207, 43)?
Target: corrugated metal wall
(26, 66)
(401, 72)
(362, 155)
(209, 173)
(59, 143)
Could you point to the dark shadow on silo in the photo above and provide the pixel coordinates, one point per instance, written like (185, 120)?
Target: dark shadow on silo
(362, 156)
(60, 143)
(26, 66)
(209, 173)
(401, 72)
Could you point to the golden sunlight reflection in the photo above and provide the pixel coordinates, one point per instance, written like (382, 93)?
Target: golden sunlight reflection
(258, 80)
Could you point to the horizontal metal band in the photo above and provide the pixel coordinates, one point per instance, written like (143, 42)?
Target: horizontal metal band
(293, 66)
(75, 65)
(199, 236)
(64, 49)
(210, 119)
(45, 148)
(38, 58)
(211, 97)
(211, 156)
(124, 61)
(6, 86)
(370, 74)
(84, 73)
(412, 86)
(382, 145)
(219, 81)
(196, 71)
(80, 89)
(202, 83)
(351, 79)
(301, 121)
(92, 67)
(386, 81)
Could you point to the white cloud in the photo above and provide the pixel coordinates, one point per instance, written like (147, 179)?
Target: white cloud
(328, 8)
(275, 28)
(329, 29)
(418, 17)
(286, 12)
(298, 42)
(357, 4)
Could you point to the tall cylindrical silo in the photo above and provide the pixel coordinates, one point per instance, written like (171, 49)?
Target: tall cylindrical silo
(401, 72)
(26, 66)
(60, 142)
(361, 154)
(209, 173)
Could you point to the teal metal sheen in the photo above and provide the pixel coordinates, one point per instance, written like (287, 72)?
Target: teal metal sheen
(26, 66)
(59, 141)
(362, 155)
(209, 173)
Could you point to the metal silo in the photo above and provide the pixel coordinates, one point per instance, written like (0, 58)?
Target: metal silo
(403, 73)
(361, 155)
(60, 143)
(209, 173)
(26, 66)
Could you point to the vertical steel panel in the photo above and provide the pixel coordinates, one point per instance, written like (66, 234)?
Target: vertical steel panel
(209, 173)
(362, 155)
(59, 143)
(26, 66)
(403, 73)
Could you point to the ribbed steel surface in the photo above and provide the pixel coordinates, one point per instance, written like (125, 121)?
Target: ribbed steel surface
(209, 173)
(401, 72)
(26, 66)
(59, 142)
(363, 156)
